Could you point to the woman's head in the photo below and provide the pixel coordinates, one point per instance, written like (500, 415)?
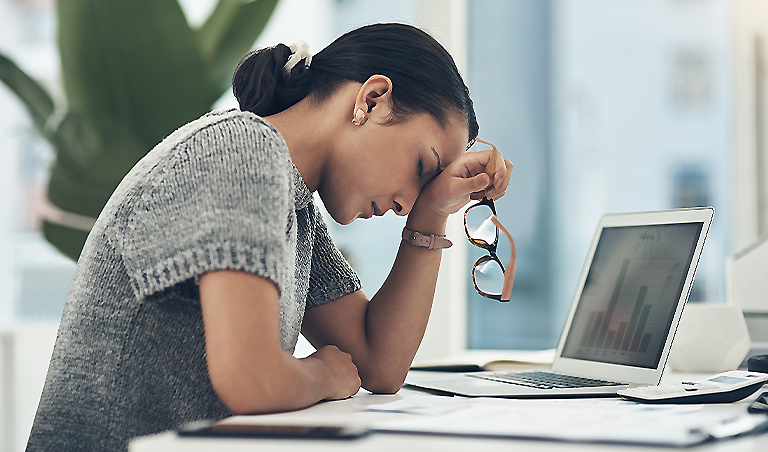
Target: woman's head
(423, 75)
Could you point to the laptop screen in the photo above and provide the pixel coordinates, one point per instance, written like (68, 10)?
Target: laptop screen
(631, 292)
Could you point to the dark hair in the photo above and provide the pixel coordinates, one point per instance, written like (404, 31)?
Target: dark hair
(423, 74)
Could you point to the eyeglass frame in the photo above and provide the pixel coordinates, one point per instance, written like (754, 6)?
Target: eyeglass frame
(509, 270)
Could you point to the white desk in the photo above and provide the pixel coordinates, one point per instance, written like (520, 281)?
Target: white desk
(351, 411)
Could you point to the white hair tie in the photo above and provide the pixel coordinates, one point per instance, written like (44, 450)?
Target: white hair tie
(299, 51)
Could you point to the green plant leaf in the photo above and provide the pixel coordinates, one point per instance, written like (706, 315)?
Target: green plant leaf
(132, 62)
(133, 72)
(69, 241)
(229, 33)
(68, 191)
(102, 156)
(34, 97)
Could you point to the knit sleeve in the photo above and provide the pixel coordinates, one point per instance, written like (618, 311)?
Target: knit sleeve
(331, 276)
(216, 199)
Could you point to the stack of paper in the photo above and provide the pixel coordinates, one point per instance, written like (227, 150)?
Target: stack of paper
(582, 420)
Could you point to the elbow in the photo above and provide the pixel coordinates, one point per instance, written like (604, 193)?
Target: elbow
(235, 404)
(255, 398)
(383, 376)
(384, 384)
(232, 396)
(383, 389)
(241, 395)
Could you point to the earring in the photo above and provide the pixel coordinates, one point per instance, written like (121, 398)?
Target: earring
(359, 118)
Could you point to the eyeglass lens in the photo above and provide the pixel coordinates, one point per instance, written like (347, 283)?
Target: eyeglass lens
(480, 228)
(489, 277)
(488, 272)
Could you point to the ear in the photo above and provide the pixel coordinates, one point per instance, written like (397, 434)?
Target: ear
(375, 99)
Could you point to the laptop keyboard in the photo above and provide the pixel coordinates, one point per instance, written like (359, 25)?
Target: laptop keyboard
(546, 380)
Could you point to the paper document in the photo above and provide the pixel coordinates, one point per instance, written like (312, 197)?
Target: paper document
(588, 420)
(424, 405)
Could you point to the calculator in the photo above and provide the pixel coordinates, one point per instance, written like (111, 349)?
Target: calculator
(725, 387)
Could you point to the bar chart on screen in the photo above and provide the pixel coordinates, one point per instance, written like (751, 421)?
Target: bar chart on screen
(630, 295)
(630, 334)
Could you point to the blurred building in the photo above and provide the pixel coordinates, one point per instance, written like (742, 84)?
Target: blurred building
(603, 106)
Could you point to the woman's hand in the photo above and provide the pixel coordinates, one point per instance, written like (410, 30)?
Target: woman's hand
(473, 175)
(340, 372)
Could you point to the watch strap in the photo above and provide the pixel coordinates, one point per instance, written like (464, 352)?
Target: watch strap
(428, 241)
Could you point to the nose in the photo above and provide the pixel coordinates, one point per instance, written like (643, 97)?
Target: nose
(403, 205)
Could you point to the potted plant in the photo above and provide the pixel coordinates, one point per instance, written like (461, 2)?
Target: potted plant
(133, 71)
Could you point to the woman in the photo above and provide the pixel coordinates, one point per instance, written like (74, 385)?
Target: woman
(211, 257)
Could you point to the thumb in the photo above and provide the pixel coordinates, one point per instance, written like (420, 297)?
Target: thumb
(477, 183)
(482, 180)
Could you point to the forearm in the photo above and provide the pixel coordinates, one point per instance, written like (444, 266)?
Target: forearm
(384, 333)
(397, 315)
(250, 386)
(247, 366)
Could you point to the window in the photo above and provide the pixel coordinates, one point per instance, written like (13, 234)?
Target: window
(602, 107)
(27, 34)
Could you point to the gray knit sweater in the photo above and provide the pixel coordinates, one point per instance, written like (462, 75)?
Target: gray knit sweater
(219, 193)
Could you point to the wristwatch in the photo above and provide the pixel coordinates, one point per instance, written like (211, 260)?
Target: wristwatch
(428, 241)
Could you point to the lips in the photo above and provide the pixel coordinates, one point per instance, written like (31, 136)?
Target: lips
(364, 216)
(374, 211)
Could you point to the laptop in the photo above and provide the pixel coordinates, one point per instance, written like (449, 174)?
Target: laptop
(628, 302)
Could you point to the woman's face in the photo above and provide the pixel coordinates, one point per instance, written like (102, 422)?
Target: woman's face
(380, 167)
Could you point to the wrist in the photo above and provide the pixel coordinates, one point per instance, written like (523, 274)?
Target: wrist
(317, 372)
(426, 221)
(429, 241)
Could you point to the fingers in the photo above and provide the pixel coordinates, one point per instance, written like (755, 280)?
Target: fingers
(471, 185)
(492, 167)
(501, 182)
(343, 377)
(491, 162)
(499, 169)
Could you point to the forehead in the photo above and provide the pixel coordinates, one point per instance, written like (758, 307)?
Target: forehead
(449, 141)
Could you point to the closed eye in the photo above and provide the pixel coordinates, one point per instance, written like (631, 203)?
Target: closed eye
(439, 168)
(420, 168)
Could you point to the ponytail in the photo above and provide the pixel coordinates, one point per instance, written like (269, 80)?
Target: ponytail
(423, 74)
(262, 85)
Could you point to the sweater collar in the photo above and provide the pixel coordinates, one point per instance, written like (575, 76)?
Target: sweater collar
(302, 195)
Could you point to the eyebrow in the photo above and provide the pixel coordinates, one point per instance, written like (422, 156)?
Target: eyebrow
(439, 168)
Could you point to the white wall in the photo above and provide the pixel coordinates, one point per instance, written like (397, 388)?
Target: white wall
(25, 352)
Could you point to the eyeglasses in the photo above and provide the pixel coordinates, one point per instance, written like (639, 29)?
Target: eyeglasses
(489, 276)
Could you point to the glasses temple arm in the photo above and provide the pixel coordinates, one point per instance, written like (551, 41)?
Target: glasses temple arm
(509, 271)
(492, 163)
